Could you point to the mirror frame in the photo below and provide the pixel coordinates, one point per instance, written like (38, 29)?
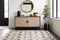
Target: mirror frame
(27, 4)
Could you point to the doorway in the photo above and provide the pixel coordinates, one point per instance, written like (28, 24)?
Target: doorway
(3, 20)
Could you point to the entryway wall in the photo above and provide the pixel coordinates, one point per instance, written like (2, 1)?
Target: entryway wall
(14, 6)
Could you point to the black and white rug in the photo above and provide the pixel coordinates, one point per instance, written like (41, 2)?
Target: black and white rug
(29, 35)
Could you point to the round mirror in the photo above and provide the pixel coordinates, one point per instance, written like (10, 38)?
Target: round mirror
(27, 6)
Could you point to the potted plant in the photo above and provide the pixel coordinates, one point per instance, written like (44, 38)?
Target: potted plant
(46, 12)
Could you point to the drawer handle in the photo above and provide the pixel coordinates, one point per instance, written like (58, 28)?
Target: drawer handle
(27, 21)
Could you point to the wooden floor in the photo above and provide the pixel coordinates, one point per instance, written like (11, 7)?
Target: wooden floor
(58, 38)
(5, 29)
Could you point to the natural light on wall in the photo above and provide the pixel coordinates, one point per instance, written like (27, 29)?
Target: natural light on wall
(5, 8)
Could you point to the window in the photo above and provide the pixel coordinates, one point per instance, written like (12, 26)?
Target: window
(55, 8)
(59, 8)
(5, 8)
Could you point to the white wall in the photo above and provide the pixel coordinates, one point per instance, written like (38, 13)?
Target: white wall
(54, 22)
(14, 6)
(55, 26)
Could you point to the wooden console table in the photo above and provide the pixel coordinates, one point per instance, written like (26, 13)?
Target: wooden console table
(29, 22)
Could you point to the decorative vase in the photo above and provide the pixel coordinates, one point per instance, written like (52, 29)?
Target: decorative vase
(18, 13)
(35, 14)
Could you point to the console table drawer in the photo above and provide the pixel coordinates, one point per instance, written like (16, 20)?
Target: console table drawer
(21, 22)
(27, 21)
(34, 22)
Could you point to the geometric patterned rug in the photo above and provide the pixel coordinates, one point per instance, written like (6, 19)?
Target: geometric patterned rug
(29, 35)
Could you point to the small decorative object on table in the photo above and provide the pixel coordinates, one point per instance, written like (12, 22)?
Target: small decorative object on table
(31, 15)
(35, 14)
(18, 13)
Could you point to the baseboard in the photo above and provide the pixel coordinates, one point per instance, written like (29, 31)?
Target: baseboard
(27, 28)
